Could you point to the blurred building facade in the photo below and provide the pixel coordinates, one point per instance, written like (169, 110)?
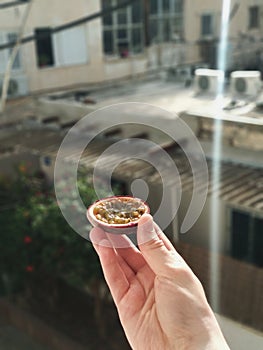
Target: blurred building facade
(142, 37)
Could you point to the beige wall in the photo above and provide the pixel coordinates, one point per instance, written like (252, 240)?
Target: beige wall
(193, 11)
(61, 12)
(52, 13)
(238, 25)
(118, 68)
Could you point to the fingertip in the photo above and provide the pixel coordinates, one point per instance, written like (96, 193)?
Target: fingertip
(99, 239)
(145, 217)
(146, 222)
(146, 231)
(96, 235)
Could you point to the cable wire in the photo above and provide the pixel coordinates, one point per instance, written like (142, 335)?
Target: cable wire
(13, 3)
(75, 23)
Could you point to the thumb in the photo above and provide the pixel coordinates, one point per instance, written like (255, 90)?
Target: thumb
(161, 260)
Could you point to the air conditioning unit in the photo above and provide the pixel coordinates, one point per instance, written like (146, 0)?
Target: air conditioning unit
(18, 86)
(245, 83)
(208, 80)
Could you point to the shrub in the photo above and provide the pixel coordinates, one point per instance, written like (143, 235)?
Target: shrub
(35, 237)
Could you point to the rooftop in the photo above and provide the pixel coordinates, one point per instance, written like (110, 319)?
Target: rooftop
(172, 96)
(240, 185)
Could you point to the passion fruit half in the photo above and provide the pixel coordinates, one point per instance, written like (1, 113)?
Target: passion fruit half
(117, 214)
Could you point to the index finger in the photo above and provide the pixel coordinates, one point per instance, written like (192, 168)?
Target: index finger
(160, 255)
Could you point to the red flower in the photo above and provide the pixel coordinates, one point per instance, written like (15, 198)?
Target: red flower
(22, 168)
(30, 268)
(27, 239)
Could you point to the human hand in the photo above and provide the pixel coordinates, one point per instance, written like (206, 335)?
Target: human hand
(161, 303)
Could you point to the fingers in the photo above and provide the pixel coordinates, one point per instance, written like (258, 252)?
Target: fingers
(163, 237)
(98, 238)
(116, 271)
(122, 245)
(157, 249)
(120, 265)
(128, 251)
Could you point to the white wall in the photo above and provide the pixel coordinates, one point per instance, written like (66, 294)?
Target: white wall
(240, 337)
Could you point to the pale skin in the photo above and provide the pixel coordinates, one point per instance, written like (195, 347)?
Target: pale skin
(161, 303)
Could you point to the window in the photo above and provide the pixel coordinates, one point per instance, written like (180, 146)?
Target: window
(239, 235)
(206, 25)
(258, 241)
(253, 17)
(67, 47)
(123, 29)
(70, 46)
(154, 7)
(165, 24)
(8, 37)
(165, 20)
(44, 47)
(247, 237)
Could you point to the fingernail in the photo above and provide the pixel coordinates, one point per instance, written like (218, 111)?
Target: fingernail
(146, 231)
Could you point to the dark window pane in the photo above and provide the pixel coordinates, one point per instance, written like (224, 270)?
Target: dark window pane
(119, 2)
(107, 19)
(254, 17)
(108, 42)
(166, 5)
(153, 6)
(137, 12)
(239, 235)
(105, 3)
(178, 6)
(44, 47)
(123, 48)
(166, 30)
(122, 17)
(258, 242)
(137, 40)
(122, 34)
(206, 25)
(177, 25)
(153, 30)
